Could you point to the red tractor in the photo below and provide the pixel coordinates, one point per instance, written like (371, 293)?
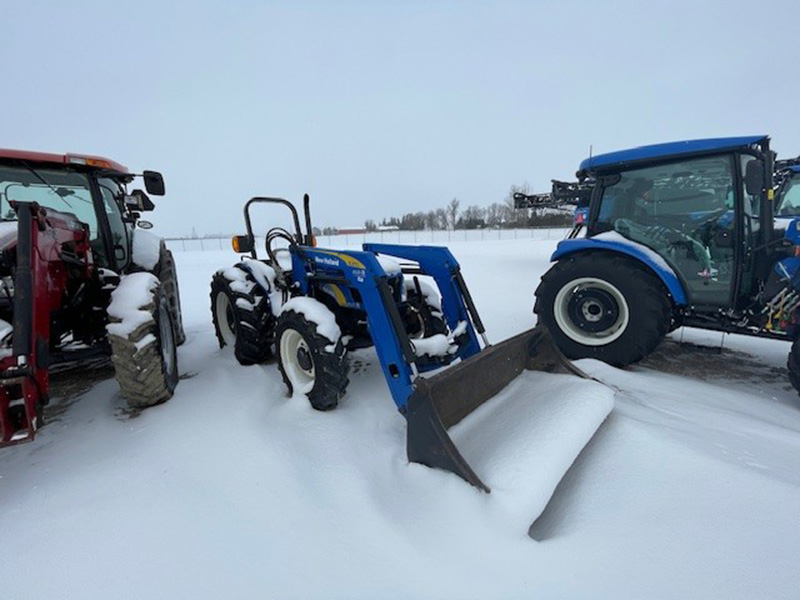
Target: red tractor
(80, 279)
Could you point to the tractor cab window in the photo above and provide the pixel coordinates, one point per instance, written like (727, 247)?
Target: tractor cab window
(790, 201)
(64, 191)
(685, 212)
(112, 194)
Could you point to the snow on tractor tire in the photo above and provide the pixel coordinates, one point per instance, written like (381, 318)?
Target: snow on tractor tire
(312, 359)
(242, 315)
(150, 253)
(142, 334)
(425, 309)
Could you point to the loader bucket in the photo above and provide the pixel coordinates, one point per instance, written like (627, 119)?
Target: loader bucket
(449, 399)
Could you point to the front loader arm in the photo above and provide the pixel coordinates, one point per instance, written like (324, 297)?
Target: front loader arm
(361, 271)
(439, 263)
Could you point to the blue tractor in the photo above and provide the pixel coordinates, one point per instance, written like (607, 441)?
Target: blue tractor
(312, 306)
(682, 233)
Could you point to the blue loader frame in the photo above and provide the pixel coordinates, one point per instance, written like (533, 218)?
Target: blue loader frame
(362, 272)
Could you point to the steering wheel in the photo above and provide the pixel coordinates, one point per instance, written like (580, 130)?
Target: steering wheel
(274, 234)
(703, 228)
(713, 215)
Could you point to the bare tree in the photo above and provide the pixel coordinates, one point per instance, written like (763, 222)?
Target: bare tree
(515, 217)
(452, 212)
(430, 219)
(473, 217)
(441, 218)
(494, 215)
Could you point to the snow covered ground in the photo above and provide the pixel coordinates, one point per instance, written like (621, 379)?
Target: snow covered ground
(231, 489)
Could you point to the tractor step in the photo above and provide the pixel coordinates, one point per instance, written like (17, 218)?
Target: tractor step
(19, 417)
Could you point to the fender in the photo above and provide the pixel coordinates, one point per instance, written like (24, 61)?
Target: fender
(637, 251)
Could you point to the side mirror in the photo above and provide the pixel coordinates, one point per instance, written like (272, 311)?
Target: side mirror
(153, 182)
(138, 200)
(754, 177)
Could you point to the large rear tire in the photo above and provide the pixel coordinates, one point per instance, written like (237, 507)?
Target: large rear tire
(168, 274)
(242, 315)
(310, 363)
(145, 358)
(603, 306)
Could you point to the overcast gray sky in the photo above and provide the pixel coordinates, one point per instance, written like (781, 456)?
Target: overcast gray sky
(381, 108)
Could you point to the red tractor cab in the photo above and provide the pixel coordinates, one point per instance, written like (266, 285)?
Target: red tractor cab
(68, 240)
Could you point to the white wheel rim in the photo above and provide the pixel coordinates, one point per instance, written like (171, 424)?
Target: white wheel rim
(291, 343)
(576, 333)
(222, 306)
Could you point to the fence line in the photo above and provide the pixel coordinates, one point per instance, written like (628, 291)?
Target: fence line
(388, 237)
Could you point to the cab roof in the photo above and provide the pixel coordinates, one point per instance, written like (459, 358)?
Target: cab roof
(623, 158)
(84, 160)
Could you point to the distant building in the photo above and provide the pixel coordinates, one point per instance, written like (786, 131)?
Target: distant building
(388, 228)
(351, 230)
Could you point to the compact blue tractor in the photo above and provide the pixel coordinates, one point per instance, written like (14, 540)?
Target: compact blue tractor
(312, 306)
(684, 233)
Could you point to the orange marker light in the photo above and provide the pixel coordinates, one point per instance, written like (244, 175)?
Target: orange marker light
(90, 162)
(93, 162)
(242, 244)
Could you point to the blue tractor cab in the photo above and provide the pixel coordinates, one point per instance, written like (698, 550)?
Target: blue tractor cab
(682, 233)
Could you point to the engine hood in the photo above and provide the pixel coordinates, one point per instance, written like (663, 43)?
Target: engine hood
(8, 234)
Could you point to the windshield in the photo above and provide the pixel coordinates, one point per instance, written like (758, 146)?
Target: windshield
(790, 202)
(684, 210)
(64, 191)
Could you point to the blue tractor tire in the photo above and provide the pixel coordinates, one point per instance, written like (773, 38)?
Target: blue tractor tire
(603, 305)
(422, 319)
(242, 316)
(311, 364)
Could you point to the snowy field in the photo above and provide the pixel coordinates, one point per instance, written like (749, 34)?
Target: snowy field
(690, 489)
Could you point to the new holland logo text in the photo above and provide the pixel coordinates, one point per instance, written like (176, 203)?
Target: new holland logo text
(333, 262)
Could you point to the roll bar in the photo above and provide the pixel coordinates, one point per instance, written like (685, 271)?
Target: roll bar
(298, 236)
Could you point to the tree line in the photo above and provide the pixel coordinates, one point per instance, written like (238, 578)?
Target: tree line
(498, 215)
